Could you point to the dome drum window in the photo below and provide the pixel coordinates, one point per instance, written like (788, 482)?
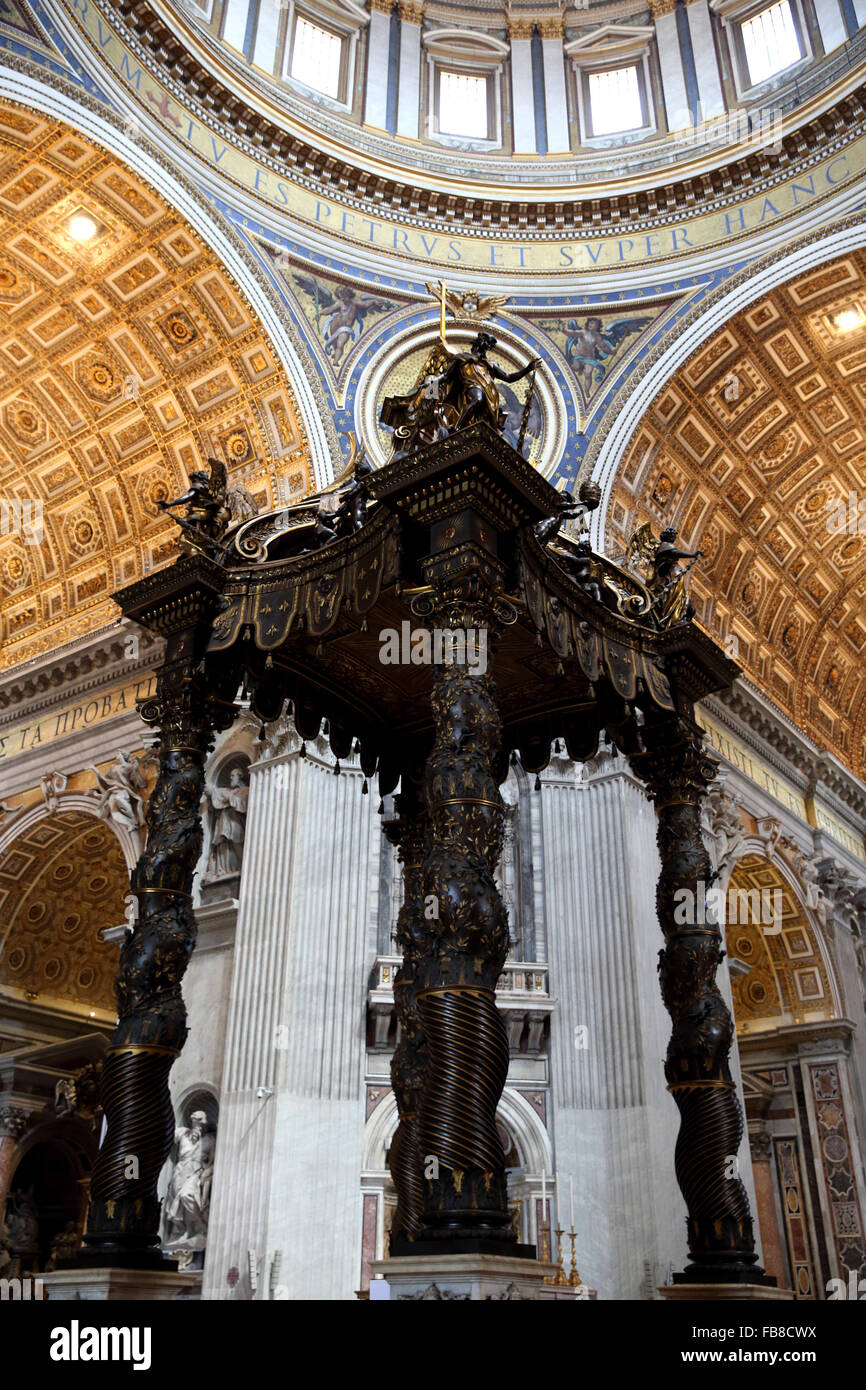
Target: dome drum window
(613, 81)
(464, 85)
(321, 49)
(766, 41)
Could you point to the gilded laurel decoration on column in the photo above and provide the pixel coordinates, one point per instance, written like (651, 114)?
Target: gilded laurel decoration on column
(151, 1027)
(678, 771)
(410, 832)
(466, 943)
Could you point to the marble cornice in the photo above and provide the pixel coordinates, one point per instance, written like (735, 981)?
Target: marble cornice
(90, 664)
(749, 716)
(333, 171)
(798, 1038)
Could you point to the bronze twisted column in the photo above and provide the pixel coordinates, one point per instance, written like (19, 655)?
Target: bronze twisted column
(677, 772)
(409, 832)
(123, 1223)
(465, 1194)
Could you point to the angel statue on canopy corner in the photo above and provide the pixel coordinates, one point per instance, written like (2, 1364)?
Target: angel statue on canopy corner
(212, 508)
(658, 561)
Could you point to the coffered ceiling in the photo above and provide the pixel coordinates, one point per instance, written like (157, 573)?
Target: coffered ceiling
(745, 450)
(782, 978)
(126, 355)
(61, 883)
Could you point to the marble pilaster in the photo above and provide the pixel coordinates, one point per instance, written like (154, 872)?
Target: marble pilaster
(522, 96)
(556, 102)
(378, 53)
(671, 66)
(614, 1123)
(237, 17)
(712, 101)
(409, 74)
(831, 23)
(292, 1102)
(267, 28)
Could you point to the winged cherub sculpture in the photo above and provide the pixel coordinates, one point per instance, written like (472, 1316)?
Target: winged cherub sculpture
(470, 304)
(211, 508)
(659, 562)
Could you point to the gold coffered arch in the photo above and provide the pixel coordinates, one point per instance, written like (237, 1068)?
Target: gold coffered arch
(744, 449)
(125, 356)
(782, 976)
(62, 880)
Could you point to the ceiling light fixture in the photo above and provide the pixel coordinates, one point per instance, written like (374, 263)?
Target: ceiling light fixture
(850, 319)
(81, 227)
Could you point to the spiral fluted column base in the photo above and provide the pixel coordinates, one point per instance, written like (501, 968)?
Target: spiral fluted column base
(404, 1162)
(720, 1225)
(124, 1210)
(468, 1065)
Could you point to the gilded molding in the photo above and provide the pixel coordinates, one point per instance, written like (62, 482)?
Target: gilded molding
(661, 7)
(410, 12)
(553, 28)
(519, 28)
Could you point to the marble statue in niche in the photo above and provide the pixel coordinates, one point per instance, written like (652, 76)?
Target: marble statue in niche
(22, 1230)
(722, 827)
(227, 804)
(63, 1247)
(187, 1199)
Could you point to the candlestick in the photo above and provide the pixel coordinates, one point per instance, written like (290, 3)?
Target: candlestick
(560, 1273)
(574, 1277)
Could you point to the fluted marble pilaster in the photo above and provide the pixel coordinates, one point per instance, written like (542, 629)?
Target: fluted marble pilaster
(614, 1123)
(286, 1175)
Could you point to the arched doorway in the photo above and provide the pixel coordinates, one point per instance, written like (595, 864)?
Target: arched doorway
(47, 1197)
(63, 880)
(793, 1047)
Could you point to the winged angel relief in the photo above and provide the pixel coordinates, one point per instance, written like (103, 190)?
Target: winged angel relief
(340, 315)
(591, 350)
